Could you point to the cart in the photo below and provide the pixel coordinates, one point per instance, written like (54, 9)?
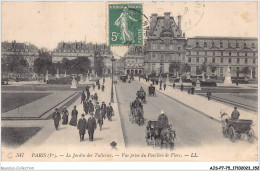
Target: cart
(157, 134)
(151, 91)
(136, 115)
(233, 129)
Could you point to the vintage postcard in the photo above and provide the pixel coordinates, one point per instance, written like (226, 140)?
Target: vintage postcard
(129, 81)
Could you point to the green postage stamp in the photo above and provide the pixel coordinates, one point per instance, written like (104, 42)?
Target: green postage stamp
(125, 24)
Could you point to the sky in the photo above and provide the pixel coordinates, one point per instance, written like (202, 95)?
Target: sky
(45, 24)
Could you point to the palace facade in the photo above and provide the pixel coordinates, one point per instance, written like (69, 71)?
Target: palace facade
(222, 54)
(133, 60)
(26, 51)
(165, 43)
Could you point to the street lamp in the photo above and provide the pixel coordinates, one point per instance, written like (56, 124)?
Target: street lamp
(112, 88)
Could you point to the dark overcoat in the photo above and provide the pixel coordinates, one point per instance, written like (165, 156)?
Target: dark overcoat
(82, 125)
(91, 124)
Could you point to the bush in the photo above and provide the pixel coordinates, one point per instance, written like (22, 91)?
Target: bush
(65, 80)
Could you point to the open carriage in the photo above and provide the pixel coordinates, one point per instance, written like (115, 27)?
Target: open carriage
(151, 91)
(141, 95)
(158, 134)
(136, 114)
(233, 129)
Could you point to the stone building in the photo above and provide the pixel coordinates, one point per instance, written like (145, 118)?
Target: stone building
(24, 50)
(164, 44)
(222, 54)
(81, 49)
(134, 60)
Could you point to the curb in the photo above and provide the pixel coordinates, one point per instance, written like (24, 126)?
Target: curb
(119, 115)
(202, 113)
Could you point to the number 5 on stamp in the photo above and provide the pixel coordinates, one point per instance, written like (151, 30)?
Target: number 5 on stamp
(125, 24)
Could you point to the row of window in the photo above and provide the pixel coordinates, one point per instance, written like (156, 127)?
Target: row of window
(164, 47)
(222, 54)
(222, 60)
(229, 45)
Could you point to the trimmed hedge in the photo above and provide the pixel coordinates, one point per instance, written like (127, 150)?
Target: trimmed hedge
(206, 84)
(65, 80)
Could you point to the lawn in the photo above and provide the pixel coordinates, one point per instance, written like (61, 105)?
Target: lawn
(13, 100)
(16, 136)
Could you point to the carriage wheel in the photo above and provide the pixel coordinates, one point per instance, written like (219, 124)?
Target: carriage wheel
(250, 136)
(232, 134)
(225, 132)
(154, 142)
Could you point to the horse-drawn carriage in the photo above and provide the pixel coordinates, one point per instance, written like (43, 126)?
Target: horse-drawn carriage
(141, 95)
(234, 128)
(136, 114)
(159, 134)
(151, 91)
(123, 78)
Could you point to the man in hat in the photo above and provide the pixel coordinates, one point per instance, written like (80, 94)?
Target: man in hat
(56, 117)
(163, 119)
(91, 126)
(182, 87)
(110, 111)
(235, 114)
(82, 125)
(208, 94)
(104, 109)
(90, 107)
(86, 106)
(83, 97)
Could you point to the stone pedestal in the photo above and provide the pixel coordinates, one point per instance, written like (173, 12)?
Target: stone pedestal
(188, 75)
(180, 80)
(47, 76)
(198, 84)
(57, 75)
(203, 77)
(228, 77)
(74, 83)
(81, 80)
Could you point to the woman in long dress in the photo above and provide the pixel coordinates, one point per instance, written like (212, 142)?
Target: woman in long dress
(74, 117)
(65, 115)
(122, 22)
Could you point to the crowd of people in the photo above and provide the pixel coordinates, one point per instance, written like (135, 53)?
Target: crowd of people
(97, 114)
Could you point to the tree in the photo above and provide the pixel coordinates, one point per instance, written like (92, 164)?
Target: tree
(245, 71)
(15, 64)
(80, 65)
(43, 63)
(174, 67)
(99, 65)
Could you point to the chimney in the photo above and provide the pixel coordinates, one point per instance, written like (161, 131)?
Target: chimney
(179, 24)
(153, 20)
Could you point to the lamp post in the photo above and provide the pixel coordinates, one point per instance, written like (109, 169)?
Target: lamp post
(112, 88)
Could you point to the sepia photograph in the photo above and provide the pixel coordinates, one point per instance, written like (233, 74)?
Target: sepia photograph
(129, 81)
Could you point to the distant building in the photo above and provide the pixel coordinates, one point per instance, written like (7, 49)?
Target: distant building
(81, 49)
(24, 50)
(120, 65)
(134, 60)
(219, 53)
(165, 43)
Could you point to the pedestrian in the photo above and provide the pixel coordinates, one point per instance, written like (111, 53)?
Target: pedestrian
(235, 114)
(90, 107)
(100, 117)
(173, 85)
(93, 86)
(209, 94)
(97, 109)
(65, 116)
(82, 125)
(182, 87)
(192, 89)
(86, 106)
(110, 112)
(87, 88)
(98, 86)
(237, 82)
(103, 80)
(104, 109)
(56, 117)
(164, 86)
(160, 84)
(189, 90)
(153, 81)
(74, 117)
(88, 95)
(91, 126)
(83, 97)
(103, 88)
